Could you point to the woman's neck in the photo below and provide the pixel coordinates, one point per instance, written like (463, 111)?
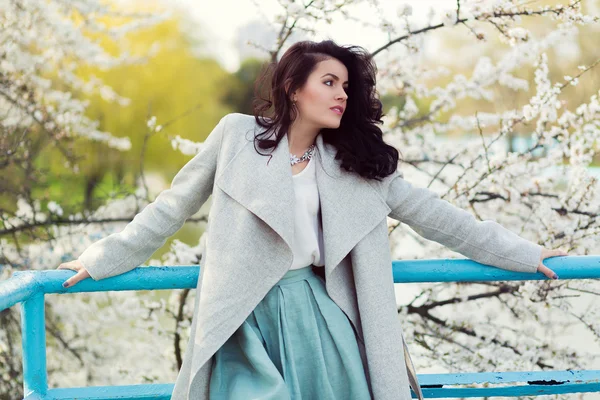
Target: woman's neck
(301, 137)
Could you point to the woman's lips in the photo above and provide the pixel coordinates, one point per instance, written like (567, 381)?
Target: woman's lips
(335, 110)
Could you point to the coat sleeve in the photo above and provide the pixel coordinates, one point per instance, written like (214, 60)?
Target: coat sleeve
(150, 228)
(486, 242)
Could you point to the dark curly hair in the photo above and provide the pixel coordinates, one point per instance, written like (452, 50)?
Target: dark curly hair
(358, 140)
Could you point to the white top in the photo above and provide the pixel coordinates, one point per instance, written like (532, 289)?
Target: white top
(308, 234)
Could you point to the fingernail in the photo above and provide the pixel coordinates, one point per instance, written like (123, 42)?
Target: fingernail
(555, 276)
(65, 284)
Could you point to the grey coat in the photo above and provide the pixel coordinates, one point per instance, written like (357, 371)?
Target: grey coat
(250, 230)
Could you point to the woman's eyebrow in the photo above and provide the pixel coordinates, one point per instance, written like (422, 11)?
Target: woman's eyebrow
(334, 76)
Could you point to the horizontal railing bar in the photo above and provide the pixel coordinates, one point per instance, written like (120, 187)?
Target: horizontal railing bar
(513, 391)
(155, 391)
(465, 270)
(550, 377)
(532, 383)
(140, 278)
(23, 284)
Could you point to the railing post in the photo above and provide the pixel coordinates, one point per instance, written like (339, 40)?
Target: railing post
(33, 328)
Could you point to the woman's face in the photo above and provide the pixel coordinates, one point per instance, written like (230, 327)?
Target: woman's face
(324, 89)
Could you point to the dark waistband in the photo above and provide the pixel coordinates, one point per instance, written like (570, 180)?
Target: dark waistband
(297, 274)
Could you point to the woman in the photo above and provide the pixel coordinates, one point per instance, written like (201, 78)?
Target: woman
(295, 298)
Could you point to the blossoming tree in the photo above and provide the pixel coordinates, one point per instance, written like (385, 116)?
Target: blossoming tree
(42, 43)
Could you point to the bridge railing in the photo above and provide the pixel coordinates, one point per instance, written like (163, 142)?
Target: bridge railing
(29, 288)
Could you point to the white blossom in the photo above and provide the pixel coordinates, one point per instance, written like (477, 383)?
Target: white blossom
(522, 189)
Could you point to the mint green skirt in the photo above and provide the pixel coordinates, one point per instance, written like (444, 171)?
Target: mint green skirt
(297, 344)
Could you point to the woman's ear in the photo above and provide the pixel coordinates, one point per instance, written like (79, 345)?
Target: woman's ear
(287, 90)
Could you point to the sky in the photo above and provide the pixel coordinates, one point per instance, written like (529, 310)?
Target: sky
(224, 24)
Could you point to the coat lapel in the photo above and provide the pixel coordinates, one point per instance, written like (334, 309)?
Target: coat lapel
(350, 206)
(263, 185)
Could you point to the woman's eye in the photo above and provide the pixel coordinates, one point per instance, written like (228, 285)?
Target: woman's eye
(345, 87)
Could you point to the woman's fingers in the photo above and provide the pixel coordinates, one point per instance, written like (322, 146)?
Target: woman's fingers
(547, 253)
(557, 252)
(74, 265)
(547, 271)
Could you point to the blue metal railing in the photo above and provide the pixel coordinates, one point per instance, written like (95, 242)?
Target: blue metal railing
(29, 288)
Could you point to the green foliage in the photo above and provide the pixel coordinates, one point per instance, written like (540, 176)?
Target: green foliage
(173, 85)
(186, 93)
(240, 90)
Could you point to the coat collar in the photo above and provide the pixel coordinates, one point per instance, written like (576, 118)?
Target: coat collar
(350, 206)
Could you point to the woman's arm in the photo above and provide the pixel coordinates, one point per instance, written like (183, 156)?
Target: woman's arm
(435, 219)
(150, 228)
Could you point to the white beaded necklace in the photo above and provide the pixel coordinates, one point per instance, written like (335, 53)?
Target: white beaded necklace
(306, 156)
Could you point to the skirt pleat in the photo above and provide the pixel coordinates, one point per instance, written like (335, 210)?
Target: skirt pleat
(296, 344)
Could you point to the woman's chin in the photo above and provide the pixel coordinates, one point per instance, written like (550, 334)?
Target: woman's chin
(335, 124)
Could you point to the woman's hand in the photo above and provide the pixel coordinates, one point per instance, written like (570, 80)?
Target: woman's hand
(76, 266)
(547, 253)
